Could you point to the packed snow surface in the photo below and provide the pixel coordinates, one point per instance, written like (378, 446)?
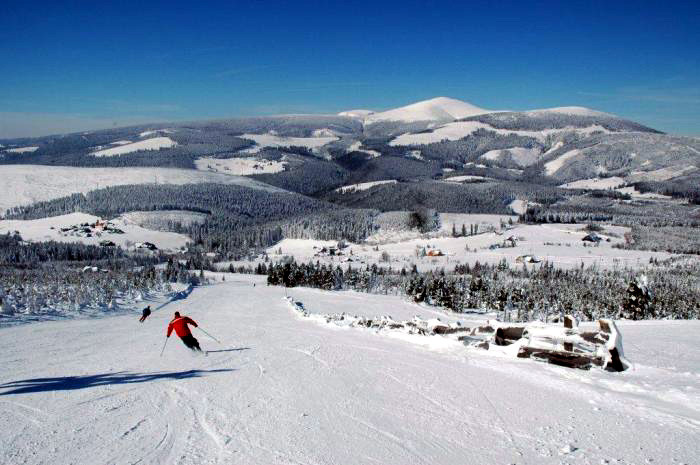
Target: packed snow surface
(155, 143)
(49, 229)
(22, 150)
(281, 389)
(363, 186)
(273, 140)
(436, 109)
(26, 184)
(240, 166)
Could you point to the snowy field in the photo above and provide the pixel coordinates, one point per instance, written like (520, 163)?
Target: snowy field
(275, 141)
(27, 184)
(22, 150)
(155, 143)
(240, 166)
(363, 186)
(559, 244)
(281, 389)
(49, 229)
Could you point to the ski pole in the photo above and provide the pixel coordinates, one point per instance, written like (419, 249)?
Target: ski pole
(209, 335)
(163, 349)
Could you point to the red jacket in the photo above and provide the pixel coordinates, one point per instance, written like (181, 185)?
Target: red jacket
(180, 326)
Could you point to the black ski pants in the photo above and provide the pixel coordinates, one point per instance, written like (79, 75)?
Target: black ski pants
(191, 342)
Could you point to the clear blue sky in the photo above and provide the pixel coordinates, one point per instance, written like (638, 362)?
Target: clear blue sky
(81, 65)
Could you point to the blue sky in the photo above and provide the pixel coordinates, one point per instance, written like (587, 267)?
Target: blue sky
(83, 65)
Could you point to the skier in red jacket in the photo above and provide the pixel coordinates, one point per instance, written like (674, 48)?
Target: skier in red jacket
(179, 324)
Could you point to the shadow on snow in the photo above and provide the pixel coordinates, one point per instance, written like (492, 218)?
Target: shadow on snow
(228, 350)
(69, 383)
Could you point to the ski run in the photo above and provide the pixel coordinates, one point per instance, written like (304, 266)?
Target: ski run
(284, 389)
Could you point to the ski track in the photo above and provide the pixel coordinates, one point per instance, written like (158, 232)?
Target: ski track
(285, 390)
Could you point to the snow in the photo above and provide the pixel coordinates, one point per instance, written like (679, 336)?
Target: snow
(662, 174)
(415, 154)
(558, 244)
(41, 230)
(283, 389)
(155, 131)
(466, 178)
(356, 147)
(461, 129)
(518, 206)
(631, 190)
(26, 184)
(576, 111)
(521, 155)
(155, 143)
(450, 131)
(121, 142)
(356, 113)
(273, 140)
(555, 165)
(22, 150)
(595, 183)
(325, 132)
(240, 166)
(363, 186)
(436, 109)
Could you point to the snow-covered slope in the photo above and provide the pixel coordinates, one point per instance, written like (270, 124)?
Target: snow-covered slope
(273, 140)
(240, 166)
(280, 389)
(49, 229)
(576, 111)
(155, 143)
(356, 113)
(22, 150)
(26, 184)
(439, 109)
(363, 186)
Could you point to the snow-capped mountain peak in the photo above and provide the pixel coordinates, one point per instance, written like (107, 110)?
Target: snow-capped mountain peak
(438, 109)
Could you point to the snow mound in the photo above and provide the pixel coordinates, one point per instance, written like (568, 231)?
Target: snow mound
(436, 109)
(156, 143)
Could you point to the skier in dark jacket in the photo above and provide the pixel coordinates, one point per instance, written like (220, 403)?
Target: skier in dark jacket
(179, 324)
(145, 314)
